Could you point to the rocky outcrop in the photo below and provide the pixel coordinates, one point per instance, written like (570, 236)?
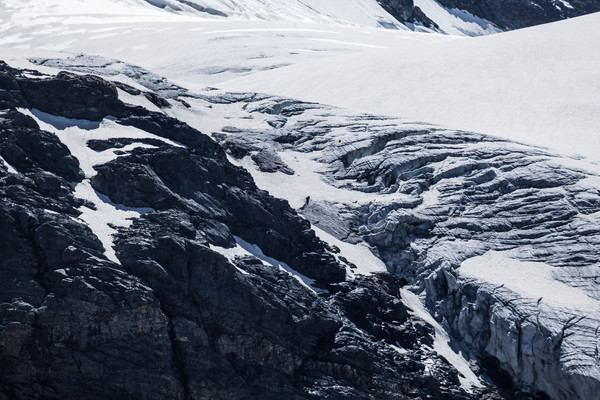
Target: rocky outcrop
(269, 161)
(400, 9)
(181, 311)
(515, 14)
(72, 96)
(405, 11)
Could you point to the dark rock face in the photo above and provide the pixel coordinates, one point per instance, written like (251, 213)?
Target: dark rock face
(400, 9)
(45, 152)
(434, 198)
(221, 193)
(515, 14)
(73, 96)
(506, 14)
(269, 161)
(174, 318)
(405, 11)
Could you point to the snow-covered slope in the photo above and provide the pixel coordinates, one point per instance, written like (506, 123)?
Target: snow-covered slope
(357, 12)
(538, 85)
(512, 84)
(350, 12)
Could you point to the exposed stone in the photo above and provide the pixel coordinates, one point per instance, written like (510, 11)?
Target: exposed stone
(433, 198)
(175, 318)
(402, 10)
(269, 161)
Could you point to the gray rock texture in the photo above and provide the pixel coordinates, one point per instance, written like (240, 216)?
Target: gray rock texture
(424, 199)
(400, 9)
(405, 11)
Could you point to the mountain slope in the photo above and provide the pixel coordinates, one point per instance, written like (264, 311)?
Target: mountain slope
(179, 300)
(166, 239)
(449, 16)
(535, 85)
(357, 12)
(209, 253)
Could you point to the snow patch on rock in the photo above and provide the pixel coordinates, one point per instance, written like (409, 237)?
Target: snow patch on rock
(9, 167)
(258, 253)
(454, 21)
(100, 214)
(441, 343)
(358, 254)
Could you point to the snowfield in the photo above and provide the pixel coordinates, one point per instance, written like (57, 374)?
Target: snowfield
(534, 280)
(510, 84)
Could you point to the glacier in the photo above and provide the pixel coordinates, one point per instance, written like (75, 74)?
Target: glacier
(368, 131)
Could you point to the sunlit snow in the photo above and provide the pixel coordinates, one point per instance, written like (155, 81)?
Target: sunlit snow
(534, 280)
(9, 167)
(358, 254)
